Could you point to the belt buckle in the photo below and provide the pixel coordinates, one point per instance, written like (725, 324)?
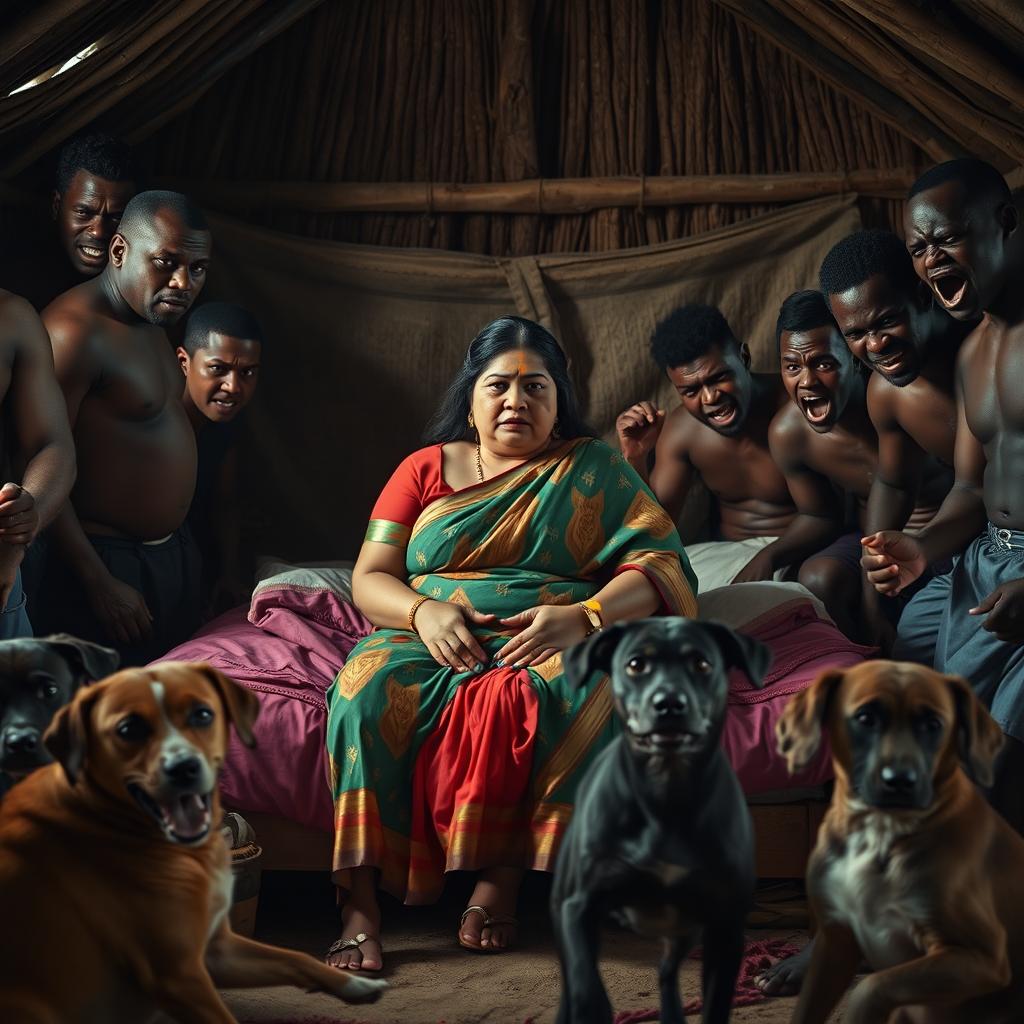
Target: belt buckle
(1003, 536)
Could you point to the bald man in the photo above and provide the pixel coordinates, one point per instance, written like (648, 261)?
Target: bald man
(121, 570)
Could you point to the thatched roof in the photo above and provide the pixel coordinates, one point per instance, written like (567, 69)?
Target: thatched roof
(313, 95)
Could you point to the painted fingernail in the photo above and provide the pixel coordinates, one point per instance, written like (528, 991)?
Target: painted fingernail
(479, 667)
(500, 663)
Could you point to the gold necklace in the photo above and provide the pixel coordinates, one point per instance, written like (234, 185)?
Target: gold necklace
(479, 468)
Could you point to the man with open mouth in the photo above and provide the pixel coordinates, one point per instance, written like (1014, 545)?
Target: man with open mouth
(894, 326)
(719, 433)
(120, 569)
(962, 234)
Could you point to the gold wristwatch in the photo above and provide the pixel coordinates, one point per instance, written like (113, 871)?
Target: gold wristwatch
(592, 610)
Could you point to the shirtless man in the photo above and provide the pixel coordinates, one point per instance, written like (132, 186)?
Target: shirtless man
(39, 445)
(824, 444)
(120, 570)
(893, 325)
(720, 432)
(960, 225)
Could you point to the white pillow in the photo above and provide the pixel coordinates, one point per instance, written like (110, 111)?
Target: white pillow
(739, 603)
(333, 576)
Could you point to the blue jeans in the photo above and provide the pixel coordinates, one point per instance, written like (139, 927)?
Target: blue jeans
(936, 629)
(14, 618)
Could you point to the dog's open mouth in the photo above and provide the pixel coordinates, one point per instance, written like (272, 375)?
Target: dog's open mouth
(182, 819)
(667, 740)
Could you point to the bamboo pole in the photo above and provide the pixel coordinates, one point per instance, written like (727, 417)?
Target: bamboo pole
(892, 68)
(542, 195)
(860, 87)
(914, 28)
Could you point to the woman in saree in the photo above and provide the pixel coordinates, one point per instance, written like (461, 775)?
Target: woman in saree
(454, 741)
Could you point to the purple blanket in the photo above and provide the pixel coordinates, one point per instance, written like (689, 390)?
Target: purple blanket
(292, 643)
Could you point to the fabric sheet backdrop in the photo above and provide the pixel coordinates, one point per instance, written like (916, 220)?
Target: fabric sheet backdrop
(363, 340)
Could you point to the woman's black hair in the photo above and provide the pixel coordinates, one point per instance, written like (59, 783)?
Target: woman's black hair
(450, 422)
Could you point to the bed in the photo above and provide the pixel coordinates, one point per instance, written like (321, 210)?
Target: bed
(289, 643)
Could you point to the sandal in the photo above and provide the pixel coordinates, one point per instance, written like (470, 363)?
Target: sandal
(340, 945)
(488, 921)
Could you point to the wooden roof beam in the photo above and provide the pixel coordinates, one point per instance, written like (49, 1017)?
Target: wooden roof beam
(916, 29)
(894, 70)
(541, 196)
(885, 105)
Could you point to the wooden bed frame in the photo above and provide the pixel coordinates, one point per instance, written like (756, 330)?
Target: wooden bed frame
(785, 836)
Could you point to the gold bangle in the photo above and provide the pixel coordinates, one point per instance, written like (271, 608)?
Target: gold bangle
(413, 610)
(592, 618)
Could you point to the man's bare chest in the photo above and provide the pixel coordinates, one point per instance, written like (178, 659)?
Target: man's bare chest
(744, 465)
(847, 461)
(138, 378)
(993, 386)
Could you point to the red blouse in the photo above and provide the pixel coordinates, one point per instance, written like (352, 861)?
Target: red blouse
(416, 483)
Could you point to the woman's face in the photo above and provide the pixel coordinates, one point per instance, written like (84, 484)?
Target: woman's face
(515, 403)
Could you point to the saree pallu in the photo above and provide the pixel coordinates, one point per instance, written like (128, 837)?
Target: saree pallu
(433, 770)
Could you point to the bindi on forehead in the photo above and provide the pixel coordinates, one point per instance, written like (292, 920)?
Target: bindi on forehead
(516, 364)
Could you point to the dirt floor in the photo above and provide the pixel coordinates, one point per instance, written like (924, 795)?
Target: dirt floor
(435, 982)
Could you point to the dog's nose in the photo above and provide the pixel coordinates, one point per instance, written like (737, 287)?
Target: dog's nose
(184, 771)
(669, 704)
(21, 741)
(898, 778)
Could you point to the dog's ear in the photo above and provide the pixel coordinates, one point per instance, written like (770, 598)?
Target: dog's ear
(67, 737)
(741, 651)
(798, 731)
(241, 704)
(977, 734)
(88, 662)
(592, 655)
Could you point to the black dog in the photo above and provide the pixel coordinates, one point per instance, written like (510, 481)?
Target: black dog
(661, 838)
(37, 678)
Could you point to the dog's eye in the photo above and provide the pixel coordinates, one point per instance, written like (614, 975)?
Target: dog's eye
(701, 664)
(48, 691)
(201, 716)
(932, 723)
(133, 728)
(636, 666)
(865, 717)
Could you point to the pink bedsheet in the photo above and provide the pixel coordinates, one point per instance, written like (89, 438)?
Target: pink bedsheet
(289, 661)
(289, 658)
(803, 646)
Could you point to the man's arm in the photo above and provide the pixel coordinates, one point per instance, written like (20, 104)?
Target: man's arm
(962, 515)
(118, 606)
(45, 446)
(900, 463)
(673, 471)
(893, 560)
(819, 518)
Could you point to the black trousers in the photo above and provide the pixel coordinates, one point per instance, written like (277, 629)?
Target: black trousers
(167, 575)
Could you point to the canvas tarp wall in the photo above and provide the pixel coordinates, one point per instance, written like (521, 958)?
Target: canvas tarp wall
(362, 342)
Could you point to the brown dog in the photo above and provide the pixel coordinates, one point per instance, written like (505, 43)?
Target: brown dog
(913, 871)
(115, 888)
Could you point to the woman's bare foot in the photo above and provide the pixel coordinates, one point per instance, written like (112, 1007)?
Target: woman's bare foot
(359, 917)
(497, 889)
